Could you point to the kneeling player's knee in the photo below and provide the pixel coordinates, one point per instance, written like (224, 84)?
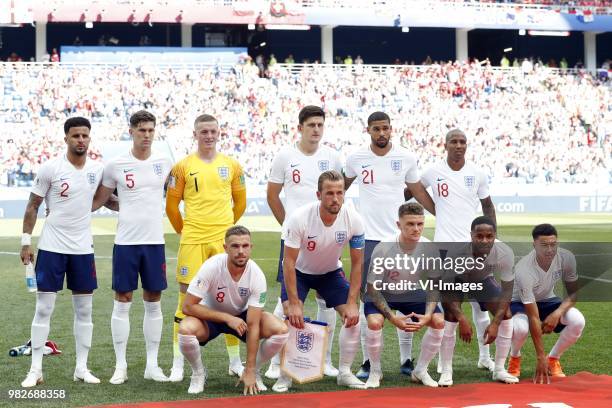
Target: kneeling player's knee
(375, 322)
(190, 326)
(282, 329)
(575, 321)
(520, 325)
(437, 321)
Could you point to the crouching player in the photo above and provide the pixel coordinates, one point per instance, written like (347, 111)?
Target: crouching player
(489, 258)
(227, 296)
(418, 307)
(536, 308)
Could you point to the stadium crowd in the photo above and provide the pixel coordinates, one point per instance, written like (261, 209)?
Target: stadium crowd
(523, 127)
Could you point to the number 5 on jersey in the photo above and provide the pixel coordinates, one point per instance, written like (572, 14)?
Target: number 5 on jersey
(129, 180)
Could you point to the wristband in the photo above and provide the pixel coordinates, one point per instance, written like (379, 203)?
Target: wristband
(26, 239)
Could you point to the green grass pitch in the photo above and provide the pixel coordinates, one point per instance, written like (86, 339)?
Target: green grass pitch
(590, 354)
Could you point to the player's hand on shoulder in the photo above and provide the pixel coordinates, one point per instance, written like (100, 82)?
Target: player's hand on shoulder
(351, 315)
(237, 324)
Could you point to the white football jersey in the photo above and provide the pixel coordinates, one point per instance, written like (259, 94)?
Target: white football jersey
(140, 187)
(457, 196)
(321, 246)
(215, 286)
(68, 194)
(533, 284)
(390, 248)
(299, 173)
(381, 180)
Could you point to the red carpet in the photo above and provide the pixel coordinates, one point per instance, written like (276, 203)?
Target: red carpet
(580, 390)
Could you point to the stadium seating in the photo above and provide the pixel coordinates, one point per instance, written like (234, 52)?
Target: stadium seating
(542, 126)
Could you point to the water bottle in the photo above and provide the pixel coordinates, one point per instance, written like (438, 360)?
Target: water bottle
(30, 277)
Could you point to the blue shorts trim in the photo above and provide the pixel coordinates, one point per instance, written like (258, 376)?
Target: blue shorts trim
(215, 329)
(332, 287)
(131, 260)
(80, 271)
(545, 308)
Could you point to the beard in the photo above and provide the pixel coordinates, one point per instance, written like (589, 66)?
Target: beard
(382, 143)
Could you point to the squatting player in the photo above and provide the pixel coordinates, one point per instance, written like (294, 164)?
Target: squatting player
(227, 296)
(67, 184)
(538, 310)
(413, 302)
(490, 258)
(139, 176)
(208, 182)
(296, 169)
(315, 235)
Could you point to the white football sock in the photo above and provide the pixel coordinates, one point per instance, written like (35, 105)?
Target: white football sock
(481, 321)
(363, 323)
(430, 346)
(447, 348)
(349, 344)
(270, 347)
(502, 344)
(574, 322)
(120, 330)
(327, 315)
(152, 325)
(83, 328)
(405, 342)
(520, 331)
(278, 312)
(374, 345)
(45, 302)
(190, 348)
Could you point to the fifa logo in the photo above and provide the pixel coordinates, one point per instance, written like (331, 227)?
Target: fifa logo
(304, 341)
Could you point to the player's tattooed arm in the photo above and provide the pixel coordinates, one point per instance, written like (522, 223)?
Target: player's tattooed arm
(379, 301)
(31, 213)
(488, 208)
(29, 220)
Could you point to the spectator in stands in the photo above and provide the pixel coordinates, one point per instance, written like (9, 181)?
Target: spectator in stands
(14, 58)
(54, 56)
(358, 60)
(505, 62)
(348, 60)
(289, 59)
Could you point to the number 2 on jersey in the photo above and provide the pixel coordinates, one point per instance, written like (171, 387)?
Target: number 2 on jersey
(64, 192)
(442, 190)
(368, 176)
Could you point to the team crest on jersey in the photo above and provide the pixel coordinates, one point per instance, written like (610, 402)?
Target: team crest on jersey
(223, 172)
(91, 177)
(340, 237)
(243, 292)
(200, 284)
(469, 181)
(157, 169)
(557, 275)
(184, 271)
(396, 165)
(304, 341)
(323, 165)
